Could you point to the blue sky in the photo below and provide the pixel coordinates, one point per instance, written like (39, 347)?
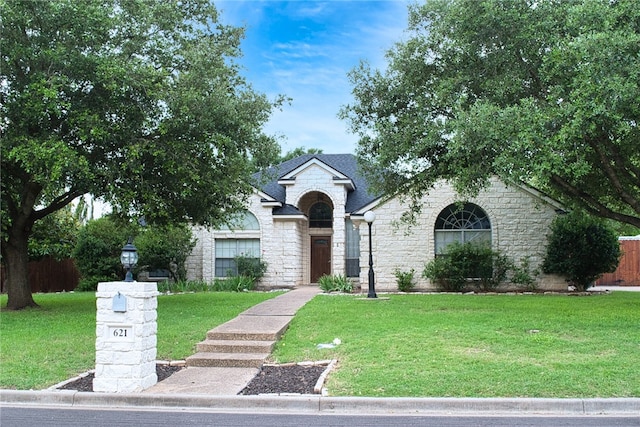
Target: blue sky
(304, 50)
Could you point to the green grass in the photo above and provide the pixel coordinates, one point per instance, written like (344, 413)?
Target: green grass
(473, 345)
(410, 345)
(41, 347)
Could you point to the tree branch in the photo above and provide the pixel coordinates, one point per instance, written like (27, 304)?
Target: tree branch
(611, 172)
(58, 203)
(590, 203)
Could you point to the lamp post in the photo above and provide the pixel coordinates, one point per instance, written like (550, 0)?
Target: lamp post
(369, 217)
(129, 258)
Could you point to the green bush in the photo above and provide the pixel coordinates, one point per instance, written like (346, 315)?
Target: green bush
(463, 264)
(235, 284)
(253, 267)
(339, 283)
(326, 283)
(90, 283)
(404, 280)
(229, 284)
(445, 274)
(165, 248)
(97, 253)
(581, 248)
(522, 275)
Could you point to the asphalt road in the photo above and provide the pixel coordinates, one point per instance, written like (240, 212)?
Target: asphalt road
(14, 416)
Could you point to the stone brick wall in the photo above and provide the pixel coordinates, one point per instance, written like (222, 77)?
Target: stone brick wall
(520, 223)
(126, 341)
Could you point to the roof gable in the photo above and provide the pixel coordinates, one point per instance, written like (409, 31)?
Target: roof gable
(343, 167)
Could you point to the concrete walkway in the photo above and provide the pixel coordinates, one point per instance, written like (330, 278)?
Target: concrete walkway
(267, 319)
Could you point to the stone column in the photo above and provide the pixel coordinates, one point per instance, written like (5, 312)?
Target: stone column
(126, 339)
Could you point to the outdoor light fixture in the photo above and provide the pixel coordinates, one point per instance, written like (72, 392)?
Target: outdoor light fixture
(369, 217)
(129, 258)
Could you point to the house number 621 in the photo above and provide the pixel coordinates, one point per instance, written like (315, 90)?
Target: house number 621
(120, 333)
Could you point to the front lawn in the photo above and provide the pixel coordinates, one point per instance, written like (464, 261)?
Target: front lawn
(409, 345)
(41, 347)
(473, 345)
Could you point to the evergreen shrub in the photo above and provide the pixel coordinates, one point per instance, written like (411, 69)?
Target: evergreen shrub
(581, 248)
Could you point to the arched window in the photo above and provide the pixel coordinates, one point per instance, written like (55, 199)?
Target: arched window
(466, 223)
(242, 221)
(320, 215)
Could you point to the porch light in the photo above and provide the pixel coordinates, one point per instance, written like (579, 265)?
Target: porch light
(129, 258)
(369, 217)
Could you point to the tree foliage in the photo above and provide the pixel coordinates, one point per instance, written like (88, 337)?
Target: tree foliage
(97, 253)
(55, 235)
(139, 103)
(297, 152)
(581, 248)
(543, 92)
(165, 248)
(100, 242)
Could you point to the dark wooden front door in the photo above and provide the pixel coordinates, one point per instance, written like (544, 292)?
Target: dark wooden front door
(320, 257)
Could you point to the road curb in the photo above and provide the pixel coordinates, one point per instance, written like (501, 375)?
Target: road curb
(327, 404)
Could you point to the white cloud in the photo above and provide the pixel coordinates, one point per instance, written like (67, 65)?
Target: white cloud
(304, 50)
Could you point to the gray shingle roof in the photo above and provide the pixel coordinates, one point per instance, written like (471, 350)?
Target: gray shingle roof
(346, 164)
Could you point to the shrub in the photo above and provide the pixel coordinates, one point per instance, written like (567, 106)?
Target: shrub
(90, 283)
(581, 248)
(342, 283)
(97, 253)
(253, 267)
(523, 276)
(462, 263)
(165, 248)
(339, 283)
(234, 284)
(404, 279)
(326, 283)
(445, 274)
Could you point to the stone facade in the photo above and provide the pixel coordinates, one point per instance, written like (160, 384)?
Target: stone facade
(520, 222)
(520, 219)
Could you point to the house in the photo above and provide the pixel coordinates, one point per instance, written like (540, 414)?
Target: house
(306, 219)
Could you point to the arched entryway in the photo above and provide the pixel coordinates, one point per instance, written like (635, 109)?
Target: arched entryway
(319, 210)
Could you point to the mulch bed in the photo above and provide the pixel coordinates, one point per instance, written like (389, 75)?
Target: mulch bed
(271, 379)
(86, 383)
(284, 379)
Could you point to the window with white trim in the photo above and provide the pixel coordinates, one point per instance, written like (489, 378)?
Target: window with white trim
(462, 224)
(228, 249)
(241, 242)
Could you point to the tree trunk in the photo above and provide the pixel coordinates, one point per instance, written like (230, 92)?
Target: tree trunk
(16, 258)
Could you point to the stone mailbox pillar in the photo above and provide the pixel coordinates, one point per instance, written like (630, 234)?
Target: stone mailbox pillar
(126, 339)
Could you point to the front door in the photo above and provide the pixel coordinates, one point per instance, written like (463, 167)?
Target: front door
(320, 257)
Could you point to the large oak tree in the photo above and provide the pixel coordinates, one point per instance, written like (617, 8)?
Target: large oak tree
(538, 91)
(137, 102)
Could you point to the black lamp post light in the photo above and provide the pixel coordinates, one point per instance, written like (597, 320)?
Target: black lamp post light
(369, 217)
(129, 258)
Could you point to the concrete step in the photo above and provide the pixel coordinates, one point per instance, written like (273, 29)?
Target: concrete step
(235, 346)
(227, 360)
(251, 328)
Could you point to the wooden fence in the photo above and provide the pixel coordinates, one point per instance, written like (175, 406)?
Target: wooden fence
(49, 275)
(628, 272)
